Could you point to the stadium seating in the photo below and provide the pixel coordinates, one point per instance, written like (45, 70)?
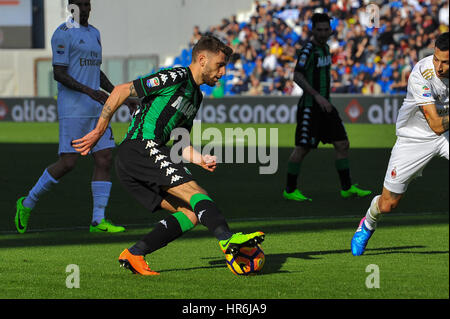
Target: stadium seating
(364, 51)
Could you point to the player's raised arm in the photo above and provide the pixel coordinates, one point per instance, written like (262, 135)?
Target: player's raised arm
(114, 101)
(438, 123)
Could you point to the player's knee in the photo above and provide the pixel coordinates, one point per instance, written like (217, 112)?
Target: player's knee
(104, 161)
(298, 154)
(342, 146)
(67, 164)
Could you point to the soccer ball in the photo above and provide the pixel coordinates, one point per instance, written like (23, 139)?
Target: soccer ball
(247, 261)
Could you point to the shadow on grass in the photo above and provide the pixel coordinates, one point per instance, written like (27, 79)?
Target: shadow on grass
(83, 237)
(274, 262)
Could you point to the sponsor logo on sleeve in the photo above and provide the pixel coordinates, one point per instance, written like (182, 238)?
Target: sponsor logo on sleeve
(153, 82)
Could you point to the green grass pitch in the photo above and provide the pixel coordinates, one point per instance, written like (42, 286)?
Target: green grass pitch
(307, 244)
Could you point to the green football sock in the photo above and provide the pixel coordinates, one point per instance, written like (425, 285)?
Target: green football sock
(209, 215)
(166, 231)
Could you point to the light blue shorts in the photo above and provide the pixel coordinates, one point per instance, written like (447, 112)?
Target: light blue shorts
(74, 128)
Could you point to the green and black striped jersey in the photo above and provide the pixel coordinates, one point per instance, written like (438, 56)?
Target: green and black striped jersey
(171, 100)
(314, 63)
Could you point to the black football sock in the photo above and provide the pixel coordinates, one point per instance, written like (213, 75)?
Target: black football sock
(343, 169)
(209, 215)
(292, 175)
(166, 231)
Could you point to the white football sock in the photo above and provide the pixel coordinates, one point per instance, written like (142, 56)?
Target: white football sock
(373, 214)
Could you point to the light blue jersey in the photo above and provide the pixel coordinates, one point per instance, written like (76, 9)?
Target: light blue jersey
(80, 49)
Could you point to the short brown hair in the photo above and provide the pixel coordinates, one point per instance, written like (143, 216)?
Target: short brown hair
(212, 44)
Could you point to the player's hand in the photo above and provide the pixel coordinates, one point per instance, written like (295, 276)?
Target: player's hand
(209, 163)
(86, 143)
(132, 105)
(98, 95)
(324, 104)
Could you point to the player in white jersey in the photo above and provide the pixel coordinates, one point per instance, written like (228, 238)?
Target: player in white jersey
(77, 57)
(422, 133)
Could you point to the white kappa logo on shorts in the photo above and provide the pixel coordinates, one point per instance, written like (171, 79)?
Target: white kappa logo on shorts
(151, 144)
(170, 171)
(164, 164)
(153, 151)
(159, 157)
(175, 178)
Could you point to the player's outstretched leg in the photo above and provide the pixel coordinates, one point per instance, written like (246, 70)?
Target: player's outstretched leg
(366, 228)
(22, 216)
(25, 205)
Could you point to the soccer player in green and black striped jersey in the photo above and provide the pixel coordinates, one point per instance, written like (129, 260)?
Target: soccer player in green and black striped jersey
(144, 163)
(317, 119)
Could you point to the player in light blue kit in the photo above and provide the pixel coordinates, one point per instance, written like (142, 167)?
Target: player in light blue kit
(77, 57)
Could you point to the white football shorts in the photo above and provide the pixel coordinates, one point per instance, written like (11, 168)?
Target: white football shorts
(408, 159)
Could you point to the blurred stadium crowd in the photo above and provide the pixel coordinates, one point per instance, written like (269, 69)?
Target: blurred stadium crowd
(366, 59)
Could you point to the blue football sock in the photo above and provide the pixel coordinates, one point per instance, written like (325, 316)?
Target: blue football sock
(42, 186)
(100, 195)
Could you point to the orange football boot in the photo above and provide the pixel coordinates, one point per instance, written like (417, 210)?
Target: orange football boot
(135, 263)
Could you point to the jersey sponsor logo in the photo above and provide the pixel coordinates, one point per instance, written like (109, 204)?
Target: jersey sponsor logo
(184, 106)
(90, 62)
(153, 82)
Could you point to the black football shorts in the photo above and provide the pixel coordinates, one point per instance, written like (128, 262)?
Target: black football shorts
(315, 125)
(145, 169)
